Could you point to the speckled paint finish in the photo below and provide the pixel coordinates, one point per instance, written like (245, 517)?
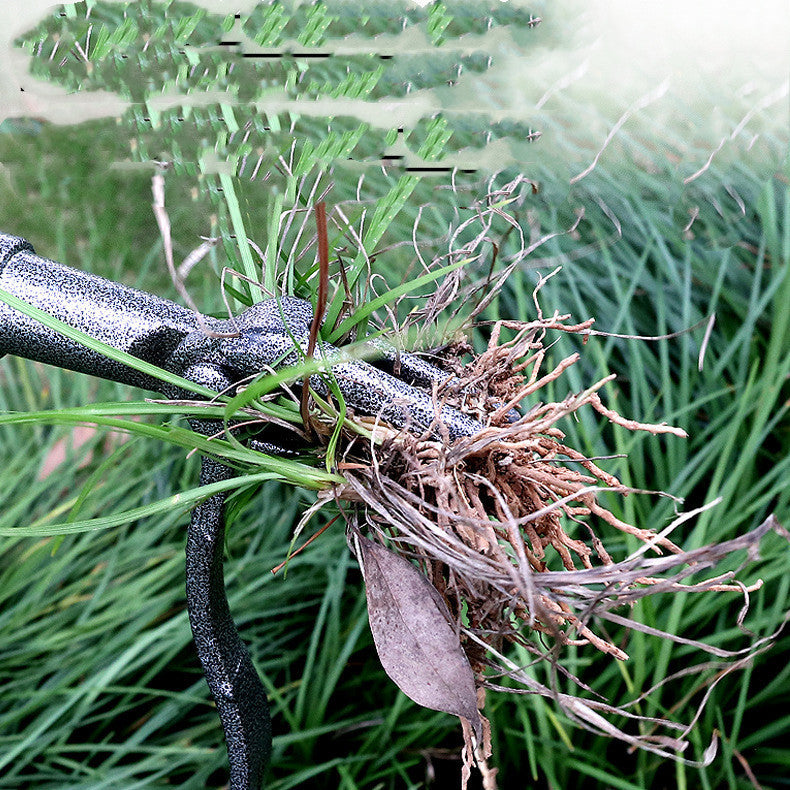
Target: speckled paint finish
(232, 679)
(143, 325)
(272, 333)
(276, 333)
(172, 337)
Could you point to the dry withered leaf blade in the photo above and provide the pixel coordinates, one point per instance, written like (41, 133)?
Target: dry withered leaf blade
(418, 647)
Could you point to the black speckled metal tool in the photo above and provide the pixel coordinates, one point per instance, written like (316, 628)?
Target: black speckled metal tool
(215, 353)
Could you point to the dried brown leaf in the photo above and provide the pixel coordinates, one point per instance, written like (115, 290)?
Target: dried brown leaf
(417, 645)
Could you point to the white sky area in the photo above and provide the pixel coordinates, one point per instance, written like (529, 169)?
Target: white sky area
(709, 27)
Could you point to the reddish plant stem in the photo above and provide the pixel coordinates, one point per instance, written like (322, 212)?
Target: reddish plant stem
(320, 308)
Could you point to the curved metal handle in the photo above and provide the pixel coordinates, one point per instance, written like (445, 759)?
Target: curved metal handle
(231, 676)
(139, 323)
(150, 328)
(165, 334)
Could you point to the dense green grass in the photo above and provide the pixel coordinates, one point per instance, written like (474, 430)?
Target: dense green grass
(100, 686)
(652, 280)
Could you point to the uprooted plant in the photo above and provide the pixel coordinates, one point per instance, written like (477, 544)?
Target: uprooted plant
(509, 532)
(508, 529)
(503, 538)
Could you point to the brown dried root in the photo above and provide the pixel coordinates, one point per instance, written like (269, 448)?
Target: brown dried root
(509, 525)
(513, 526)
(515, 498)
